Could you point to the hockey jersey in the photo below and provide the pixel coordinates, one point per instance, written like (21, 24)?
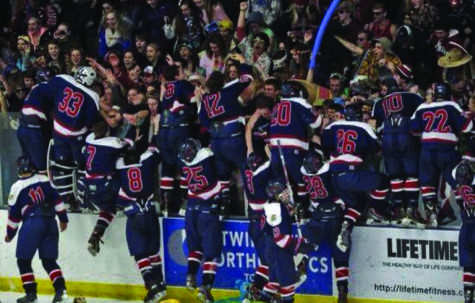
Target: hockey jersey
(255, 185)
(100, 155)
(291, 118)
(37, 106)
(439, 124)
(175, 107)
(200, 178)
(137, 182)
(76, 106)
(392, 114)
(221, 113)
(348, 143)
(31, 197)
(279, 226)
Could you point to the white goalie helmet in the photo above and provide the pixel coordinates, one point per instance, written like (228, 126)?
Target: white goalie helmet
(85, 75)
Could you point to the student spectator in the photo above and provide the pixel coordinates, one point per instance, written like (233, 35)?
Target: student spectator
(381, 26)
(38, 34)
(74, 60)
(211, 10)
(188, 26)
(115, 35)
(248, 28)
(24, 56)
(155, 58)
(422, 16)
(212, 58)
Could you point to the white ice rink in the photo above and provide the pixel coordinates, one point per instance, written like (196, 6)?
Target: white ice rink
(10, 297)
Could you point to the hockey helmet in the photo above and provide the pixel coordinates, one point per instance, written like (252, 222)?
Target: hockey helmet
(465, 172)
(188, 150)
(312, 162)
(274, 188)
(391, 86)
(442, 91)
(85, 75)
(254, 160)
(44, 74)
(132, 156)
(353, 112)
(293, 89)
(25, 166)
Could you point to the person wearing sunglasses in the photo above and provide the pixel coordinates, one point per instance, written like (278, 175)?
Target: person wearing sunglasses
(381, 26)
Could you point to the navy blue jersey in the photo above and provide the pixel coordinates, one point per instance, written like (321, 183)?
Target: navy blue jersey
(137, 183)
(33, 196)
(76, 106)
(175, 107)
(319, 187)
(255, 185)
(439, 124)
(392, 113)
(221, 112)
(348, 143)
(100, 155)
(200, 176)
(291, 118)
(38, 105)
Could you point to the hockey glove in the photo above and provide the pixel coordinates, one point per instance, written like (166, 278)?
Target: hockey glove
(304, 247)
(343, 241)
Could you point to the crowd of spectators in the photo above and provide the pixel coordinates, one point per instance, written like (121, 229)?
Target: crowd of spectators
(131, 42)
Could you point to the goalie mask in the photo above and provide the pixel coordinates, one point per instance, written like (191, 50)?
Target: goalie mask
(188, 150)
(85, 75)
(465, 172)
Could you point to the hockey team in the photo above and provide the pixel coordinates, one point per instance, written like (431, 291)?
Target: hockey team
(324, 169)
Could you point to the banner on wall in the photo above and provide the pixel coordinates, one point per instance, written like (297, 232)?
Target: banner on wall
(409, 264)
(238, 260)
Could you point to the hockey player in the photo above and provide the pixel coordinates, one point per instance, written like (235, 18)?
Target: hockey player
(291, 118)
(76, 110)
(142, 228)
(203, 225)
(464, 174)
(331, 220)
(400, 151)
(281, 245)
(34, 131)
(255, 175)
(438, 123)
(101, 184)
(34, 201)
(221, 114)
(350, 144)
(177, 115)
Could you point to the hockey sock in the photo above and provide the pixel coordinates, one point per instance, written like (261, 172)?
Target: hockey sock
(270, 289)
(194, 261)
(103, 222)
(27, 276)
(411, 192)
(145, 267)
(156, 262)
(209, 272)
(342, 273)
(261, 276)
(287, 293)
(351, 216)
(397, 193)
(54, 272)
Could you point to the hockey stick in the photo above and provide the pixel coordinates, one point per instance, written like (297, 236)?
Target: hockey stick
(289, 188)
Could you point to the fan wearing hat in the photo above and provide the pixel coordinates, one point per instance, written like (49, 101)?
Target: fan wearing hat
(380, 57)
(248, 28)
(259, 56)
(24, 56)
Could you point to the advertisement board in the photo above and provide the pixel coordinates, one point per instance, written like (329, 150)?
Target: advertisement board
(238, 260)
(410, 264)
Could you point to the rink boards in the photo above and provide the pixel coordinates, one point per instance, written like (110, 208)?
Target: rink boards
(390, 264)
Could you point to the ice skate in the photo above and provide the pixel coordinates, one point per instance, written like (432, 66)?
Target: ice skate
(93, 244)
(28, 298)
(155, 294)
(204, 294)
(60, 297)
(376, 218)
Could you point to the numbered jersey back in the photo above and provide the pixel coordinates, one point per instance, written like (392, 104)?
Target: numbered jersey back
(76, 106)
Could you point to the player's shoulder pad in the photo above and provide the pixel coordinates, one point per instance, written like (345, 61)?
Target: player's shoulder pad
(113, 142)
(273, 213)
(261, 168)
(324, 169)
(21, 184)
(202, 155)
(300, 101)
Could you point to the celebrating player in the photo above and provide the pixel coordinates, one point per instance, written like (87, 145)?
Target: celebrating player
(202, 221)
(34, 201)
(142, 228)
